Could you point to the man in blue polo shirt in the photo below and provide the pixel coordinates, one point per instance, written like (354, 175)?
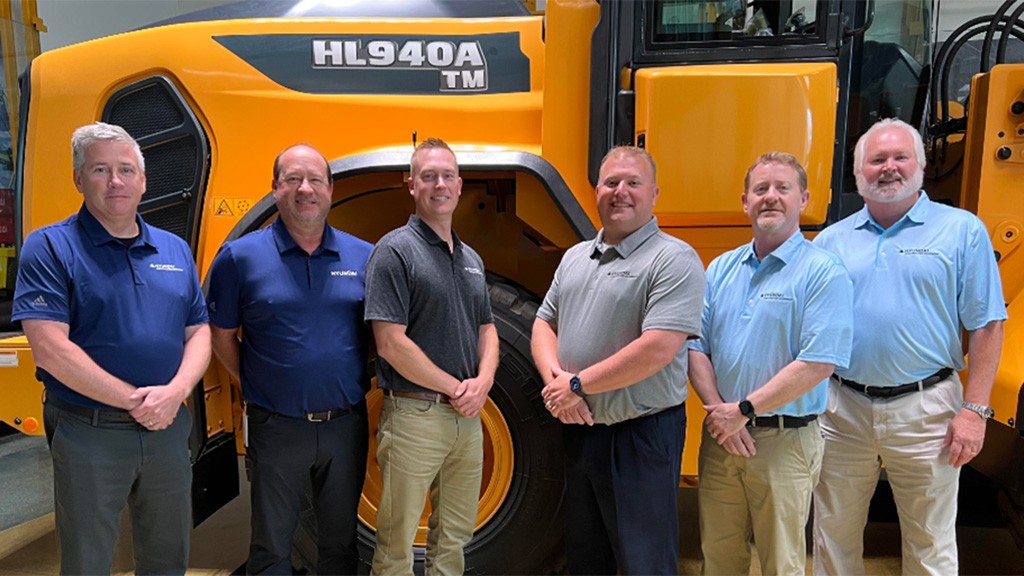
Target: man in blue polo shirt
(777, 320)
(922, 272)
(296, 290)
(117, 322)
(428, 304)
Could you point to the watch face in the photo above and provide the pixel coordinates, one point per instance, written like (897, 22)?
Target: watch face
(575, 385)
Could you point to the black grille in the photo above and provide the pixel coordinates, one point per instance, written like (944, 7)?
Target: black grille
(148, 110)
(175, 148)
(170, 169)
(171, 218)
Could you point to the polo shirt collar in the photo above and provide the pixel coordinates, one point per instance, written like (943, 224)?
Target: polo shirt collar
(427, 233)
(917, 214)
(284, 241)
(784, 253)
(98, 235)
(629, 243)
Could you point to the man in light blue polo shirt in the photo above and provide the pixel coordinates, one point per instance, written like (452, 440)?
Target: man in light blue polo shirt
(922, 272)
(777, 320)
(117, 322)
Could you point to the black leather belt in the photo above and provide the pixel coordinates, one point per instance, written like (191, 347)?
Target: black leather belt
(894, 391)
(322, 416)
(95, 415)
(781, 421)
(435, 397)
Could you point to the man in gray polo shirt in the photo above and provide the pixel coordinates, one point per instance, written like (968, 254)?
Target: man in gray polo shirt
(608, 342)
(427, 302)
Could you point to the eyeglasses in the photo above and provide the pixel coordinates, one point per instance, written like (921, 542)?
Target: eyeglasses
(296, 181)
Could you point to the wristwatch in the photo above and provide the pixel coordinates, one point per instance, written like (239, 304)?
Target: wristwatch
(576, 386)
(747, 409)
(984, 411)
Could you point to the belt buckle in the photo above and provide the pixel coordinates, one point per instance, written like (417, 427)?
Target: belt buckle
(316, 416)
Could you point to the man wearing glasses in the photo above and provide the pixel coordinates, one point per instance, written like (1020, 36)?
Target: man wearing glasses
(296, 290)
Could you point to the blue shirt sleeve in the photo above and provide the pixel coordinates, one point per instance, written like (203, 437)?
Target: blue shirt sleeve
(43, 286)
(703, 342)
(980, 294)
(225, 291)
(826, 333)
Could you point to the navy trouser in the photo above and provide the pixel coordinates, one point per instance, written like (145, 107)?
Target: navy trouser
(98, 466)
(287, 455)
(621, 484)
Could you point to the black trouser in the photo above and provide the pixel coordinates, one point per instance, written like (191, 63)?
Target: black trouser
(621, 484)
(287, 456)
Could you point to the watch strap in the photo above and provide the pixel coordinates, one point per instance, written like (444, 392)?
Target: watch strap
(747, 409)
(985, 412)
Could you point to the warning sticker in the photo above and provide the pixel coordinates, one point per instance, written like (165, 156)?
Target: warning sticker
(231, 207)
(8, 359)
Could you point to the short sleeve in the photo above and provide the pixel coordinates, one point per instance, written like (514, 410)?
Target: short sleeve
(43, 287)
(703, 342)
(224, 299)
(676, 296)
(826, 332)
(387, 286)
(548, 309)
(980, 289)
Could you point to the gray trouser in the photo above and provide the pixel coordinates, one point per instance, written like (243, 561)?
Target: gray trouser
(98, 466)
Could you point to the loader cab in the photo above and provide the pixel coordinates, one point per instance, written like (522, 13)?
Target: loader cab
(706, 87)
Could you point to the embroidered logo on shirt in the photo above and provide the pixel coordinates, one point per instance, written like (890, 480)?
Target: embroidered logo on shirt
(40, 301)
(622, 274)
(166, 267)
(918, 252)
(779, 296)
(473, 270)
(344, 273)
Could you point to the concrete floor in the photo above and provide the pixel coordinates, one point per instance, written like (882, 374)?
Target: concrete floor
(28, 545)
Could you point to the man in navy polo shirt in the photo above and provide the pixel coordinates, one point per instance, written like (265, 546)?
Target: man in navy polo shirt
(117, 322)
(295, 288)
(427, 302)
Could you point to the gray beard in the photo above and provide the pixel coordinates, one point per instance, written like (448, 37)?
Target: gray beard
(874, 192)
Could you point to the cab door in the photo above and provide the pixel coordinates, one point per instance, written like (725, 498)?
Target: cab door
(707, 87)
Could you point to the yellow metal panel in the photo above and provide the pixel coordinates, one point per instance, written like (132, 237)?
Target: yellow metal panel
(705, 125)
(1007, 386)
(232, 100)
(22, 406)
(566, 123)
(994, 166)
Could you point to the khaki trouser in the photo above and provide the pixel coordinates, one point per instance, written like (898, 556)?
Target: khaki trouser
(906, 434)
(421, 447)
(767, 496)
